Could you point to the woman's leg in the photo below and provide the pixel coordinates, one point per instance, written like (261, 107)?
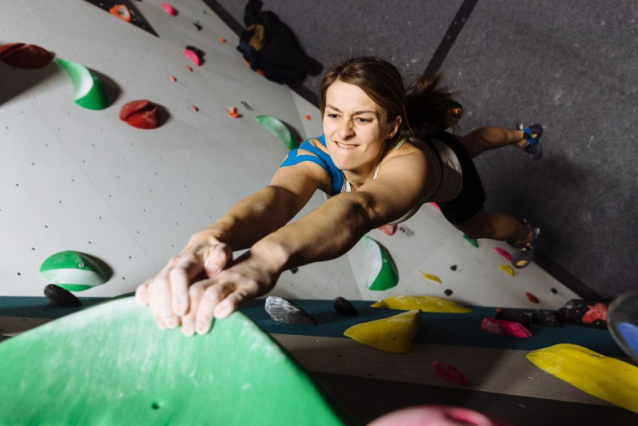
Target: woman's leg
(491, 137)
(495, 226)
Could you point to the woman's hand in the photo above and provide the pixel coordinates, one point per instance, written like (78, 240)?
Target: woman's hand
(167, 293)
(218, 296)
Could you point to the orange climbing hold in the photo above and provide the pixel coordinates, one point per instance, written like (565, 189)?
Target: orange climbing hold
(189, 68)
(595, 312)
(194, 108)
(25, 56)
(531, 297)
(140, 114)
(307, 117)
(222, 40)
(169, 9)
(233, 113)
(121, 12)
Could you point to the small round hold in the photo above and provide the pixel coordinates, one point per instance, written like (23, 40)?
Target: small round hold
(294, 270)
(307, 117)
(448, 292)
(233, 113)
(554, 291)
(60, 297)
(189, 68)
(194, 108)
(453, 267)
(343, 307)
(173, 79)
(222, 40)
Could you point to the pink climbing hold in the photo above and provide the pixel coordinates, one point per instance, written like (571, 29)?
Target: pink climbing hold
(194, 108)
(189, 68)
(505, 328)
(431, 415)
(435, 205)
(503, 253)
(449, 373)
(173, 79)
(388, 229)
(192, 56)
(169, 9)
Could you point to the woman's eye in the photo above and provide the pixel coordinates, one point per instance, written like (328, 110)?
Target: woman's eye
(364, 120)
(332, 115)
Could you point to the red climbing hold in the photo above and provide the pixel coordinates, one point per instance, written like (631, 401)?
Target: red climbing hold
(596, 312)
(192, 56)
(173, 79)
(25, 56)
(233, 113)
(505, 328)
(503, 253)
(141, 114)
(388, 229)
(307, 117)
(194, 108)
(222, 40)
(531, 297)
(449, 373)
(169, 9)
(121, 12)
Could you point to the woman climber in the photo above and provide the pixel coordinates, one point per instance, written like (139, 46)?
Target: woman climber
(383, 154)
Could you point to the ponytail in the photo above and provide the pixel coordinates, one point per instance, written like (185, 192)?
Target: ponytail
(431, 109)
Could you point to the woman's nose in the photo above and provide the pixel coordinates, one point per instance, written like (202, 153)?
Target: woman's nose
(346, 128)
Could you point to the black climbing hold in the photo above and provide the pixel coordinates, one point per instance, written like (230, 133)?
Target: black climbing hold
(448, 292)
(520, 317)
(284, 311)
(198, 26)
(60, 297)
(343, 307)
(544, 317)
(294, 270)
(554, 291)
(586, 313)
(453, 267)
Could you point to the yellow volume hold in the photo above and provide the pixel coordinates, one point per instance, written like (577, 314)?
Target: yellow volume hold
(393, 334)
(423, 303)
(607, 378)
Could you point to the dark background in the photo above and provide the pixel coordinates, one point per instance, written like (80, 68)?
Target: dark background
(570, 65)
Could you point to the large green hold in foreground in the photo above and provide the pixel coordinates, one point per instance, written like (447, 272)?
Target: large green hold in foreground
(112, 365)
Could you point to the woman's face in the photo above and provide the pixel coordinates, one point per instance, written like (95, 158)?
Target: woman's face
(355, 127)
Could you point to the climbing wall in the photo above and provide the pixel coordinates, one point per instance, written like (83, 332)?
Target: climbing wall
(78, 179)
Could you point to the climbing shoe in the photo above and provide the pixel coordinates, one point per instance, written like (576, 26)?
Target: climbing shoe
(524, 251)
(532, 134)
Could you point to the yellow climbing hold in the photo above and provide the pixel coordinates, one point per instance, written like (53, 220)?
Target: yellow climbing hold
(423, 303)
(392, 334)
(507, 269)
(607, 378)
(431, 277)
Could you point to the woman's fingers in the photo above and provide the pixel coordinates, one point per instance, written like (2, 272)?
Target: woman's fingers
(216, 258)
(213, 294)
(141, 293)
(159, 298)
(186, 267)
(229, 304)
(195, 294)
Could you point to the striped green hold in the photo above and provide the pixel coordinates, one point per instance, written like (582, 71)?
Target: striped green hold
(73, 271)
(88, 91)
(372, 266)
(279, 129)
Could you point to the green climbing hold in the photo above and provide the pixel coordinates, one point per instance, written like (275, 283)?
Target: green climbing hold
(111, 364)
(471, 241)
(279, 129)
(73, 271)
(372, 266)
(89, 91)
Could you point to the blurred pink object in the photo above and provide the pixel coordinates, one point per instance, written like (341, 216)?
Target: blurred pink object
(168, 8)
(433, 416)
(436, 206)
(192, 56)
(449, 373)
(505, 328)
(503, 253)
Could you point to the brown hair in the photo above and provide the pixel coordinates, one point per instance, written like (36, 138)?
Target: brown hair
(425, 110)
